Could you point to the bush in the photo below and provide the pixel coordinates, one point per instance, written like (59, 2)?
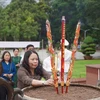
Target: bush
(88, 47)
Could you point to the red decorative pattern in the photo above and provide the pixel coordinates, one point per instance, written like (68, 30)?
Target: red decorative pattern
(62, 52)
(74, 49)
(51, 50)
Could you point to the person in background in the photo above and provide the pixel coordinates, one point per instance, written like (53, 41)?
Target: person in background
(67, 60)
(31, 72)
(28, 47)
(9, 69)
(16, 59)
(47, 63)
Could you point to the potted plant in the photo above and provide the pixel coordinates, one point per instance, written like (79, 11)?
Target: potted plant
(88, 47)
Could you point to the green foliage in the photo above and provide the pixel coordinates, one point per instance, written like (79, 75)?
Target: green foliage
(88, 46)
(68, 9)
(88, 40)
(92, 12)
(23, 20)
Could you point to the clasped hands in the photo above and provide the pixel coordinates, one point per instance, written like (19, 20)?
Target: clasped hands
(8, 75)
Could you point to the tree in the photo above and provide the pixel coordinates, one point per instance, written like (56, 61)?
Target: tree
(68, 9)
(23, 19)
(88, 47)
(92, 12)
(93, 18)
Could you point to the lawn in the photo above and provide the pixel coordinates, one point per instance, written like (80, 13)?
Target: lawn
(79, 70)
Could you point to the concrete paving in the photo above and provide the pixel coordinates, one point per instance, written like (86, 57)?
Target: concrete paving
(96, 55)
(43, 53)
(79, 56)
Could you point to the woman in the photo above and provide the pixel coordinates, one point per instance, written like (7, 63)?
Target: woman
(16, 59)
(31, 72)
(9, 69)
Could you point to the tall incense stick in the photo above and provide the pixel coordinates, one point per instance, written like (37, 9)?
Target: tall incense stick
(74, 49)
(62, 52)
(51, 50)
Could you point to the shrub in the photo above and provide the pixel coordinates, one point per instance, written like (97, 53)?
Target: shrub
(88, 47)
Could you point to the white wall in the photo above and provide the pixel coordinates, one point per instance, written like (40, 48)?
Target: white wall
(18, 44)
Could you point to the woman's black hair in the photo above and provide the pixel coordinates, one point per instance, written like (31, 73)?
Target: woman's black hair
(15, 49)
(4, 54)
(38, 70)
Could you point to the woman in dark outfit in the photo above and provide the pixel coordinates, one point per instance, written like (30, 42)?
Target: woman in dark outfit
(7, 71)
(32, 72)
(16, 59)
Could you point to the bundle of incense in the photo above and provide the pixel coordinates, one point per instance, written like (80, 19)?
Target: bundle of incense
(62, 52)
(51, 50)
(74, 49)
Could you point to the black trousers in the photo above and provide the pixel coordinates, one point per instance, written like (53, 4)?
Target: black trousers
(3, 93)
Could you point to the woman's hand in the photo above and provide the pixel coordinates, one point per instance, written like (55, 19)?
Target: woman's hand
(5, 75)
(43, 83)
(49, 82)
(18, 65)
(10, 75)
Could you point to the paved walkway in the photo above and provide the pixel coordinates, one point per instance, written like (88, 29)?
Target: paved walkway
(43, 53)
(96, 55)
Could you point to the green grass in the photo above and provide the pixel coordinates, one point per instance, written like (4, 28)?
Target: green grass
(79, 70)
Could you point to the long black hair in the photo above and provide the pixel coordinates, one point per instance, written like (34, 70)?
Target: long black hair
(38, 70)
(4, 55)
